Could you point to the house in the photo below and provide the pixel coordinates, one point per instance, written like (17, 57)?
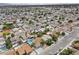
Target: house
(20, 35)
(2, 40)
(1, 27)
(76, 53)
(20, 51)
(42, 29)
(46, 37)
(15, 29)
(1, 36)
(18, 21)
(49, 33)
(37, 41)
(11, 52)
(23, 49)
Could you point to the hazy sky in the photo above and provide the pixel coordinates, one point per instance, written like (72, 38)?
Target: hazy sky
(39, 1)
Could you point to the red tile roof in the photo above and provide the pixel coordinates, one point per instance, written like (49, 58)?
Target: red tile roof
(25, 48)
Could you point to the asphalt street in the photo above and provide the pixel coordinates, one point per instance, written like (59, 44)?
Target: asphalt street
(61, 44)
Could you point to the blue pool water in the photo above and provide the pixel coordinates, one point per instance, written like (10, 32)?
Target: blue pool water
(30, 41)
(3, 48)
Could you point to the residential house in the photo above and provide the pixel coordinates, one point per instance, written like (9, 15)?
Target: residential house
(24, 49)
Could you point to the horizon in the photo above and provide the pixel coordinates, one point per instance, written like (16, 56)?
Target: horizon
(40, 3)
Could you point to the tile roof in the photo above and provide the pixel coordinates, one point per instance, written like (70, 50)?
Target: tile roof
(11, 52)
(25, 48)
(37, 41)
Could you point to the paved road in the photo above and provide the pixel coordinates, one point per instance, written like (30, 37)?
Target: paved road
(61, 44)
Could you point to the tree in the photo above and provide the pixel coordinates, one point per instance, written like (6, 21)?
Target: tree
(21, 37)
(55, 16)
(46, 30)
(20, 42)
(75, 44)
(8, 43)
(54, 38)
(58, 33)
(76, 41)
(33, 33)
(49, 42)
(70, 21)
(59, 22)
(7, 26)
(33, 45)
(30, 22)
(5, 34)
(12, 35)
(78, 18)
(23, 18)
(66, 52)
(63, 33)
(39, 34)
(42, 42)
(61, 17)
(46, 25)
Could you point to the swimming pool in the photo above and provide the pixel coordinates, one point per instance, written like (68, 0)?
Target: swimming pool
(30, 41)
(3, 48)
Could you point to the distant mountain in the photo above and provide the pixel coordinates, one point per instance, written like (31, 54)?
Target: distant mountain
(36, 5)
(4, 4)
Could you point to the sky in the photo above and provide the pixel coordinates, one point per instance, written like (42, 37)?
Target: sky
(39, 1)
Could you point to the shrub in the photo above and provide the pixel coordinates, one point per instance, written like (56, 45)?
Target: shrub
(66, 52)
